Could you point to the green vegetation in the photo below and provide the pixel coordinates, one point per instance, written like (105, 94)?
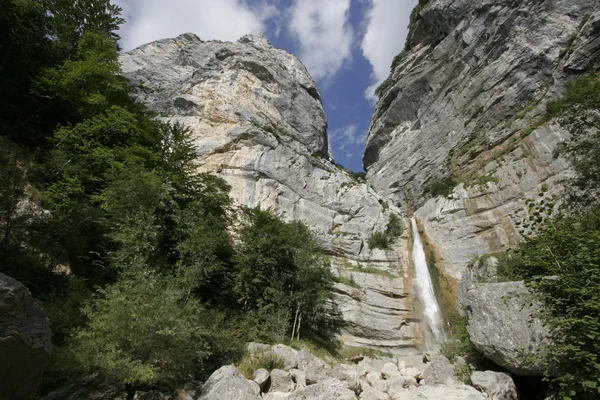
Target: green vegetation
(561, 262)
(439, 186)
(247, 365)
(148, 274)
(459, 345)
(393, 230)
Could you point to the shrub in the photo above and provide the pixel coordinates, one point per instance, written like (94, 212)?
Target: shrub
(439, 186)
(269, 361)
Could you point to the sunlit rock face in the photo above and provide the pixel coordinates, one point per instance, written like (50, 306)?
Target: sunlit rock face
(468, 101)
(258, 122)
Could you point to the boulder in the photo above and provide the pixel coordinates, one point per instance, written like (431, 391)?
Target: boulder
(228, 383)
(262, 377)
(442, 392)
(281, 381)
(25, 344)
(329, 389)
(299, 378)
(374, 394)
(439, 371)
(277, 396)
(287, 354)
(390, 370)
(503, 326)
(497, 385)
(314, 368)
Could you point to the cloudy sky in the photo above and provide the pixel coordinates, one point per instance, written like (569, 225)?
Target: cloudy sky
(347, 46)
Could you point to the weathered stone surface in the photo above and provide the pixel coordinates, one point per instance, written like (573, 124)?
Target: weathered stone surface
(502, 325)
(466, 100)
(228, 383)
(390, 370)
(277, 396)
(258, 122)
(497, 385)
(315, 369)
(281, 381)
(446, 392)
(287, 354)
(25, 343)
(262, 377)
(374, 394)
(439, 371)
(329, 389)
(299, 378)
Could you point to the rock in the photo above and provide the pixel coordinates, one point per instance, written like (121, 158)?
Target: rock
(502, 327)
(329, 389)
(411, 371)
(314, 368)
(90, 388)
(497, 385)
(373, 394)
(25, 341)
(258, 122)
(262, 378)
(374, 378)
(255, 387)
(445, 392)
(277, 396)
(299, 378)
(287, 354)
(228, 383)
(390, 370)
(397, 383)
(439, 371)
(255, 350)
(281, 381)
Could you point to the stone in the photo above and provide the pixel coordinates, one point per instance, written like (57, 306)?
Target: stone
(374, 394)
(255, 350)
(277, 396)
(258, 122)
(255, 387)
(390, 370)
(228, 383)
(400, 382)
(439, 371)
(25, 340)
(411, 371)
(329, 389)
(439, 392)
(299, 378)
(262, 378)
(314, 368)
(502, 325)
(281, 381)
(497, 385)
(287, 354)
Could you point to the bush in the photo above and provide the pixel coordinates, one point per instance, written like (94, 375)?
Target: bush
(378, 240)
(383, 240)
(269, 361)
(439, 186)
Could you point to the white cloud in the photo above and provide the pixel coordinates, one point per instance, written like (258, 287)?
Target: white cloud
(347, 139)
(150, 20)
(387, 27)
(324, 34)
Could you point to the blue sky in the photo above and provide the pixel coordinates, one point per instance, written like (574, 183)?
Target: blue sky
(347, 46)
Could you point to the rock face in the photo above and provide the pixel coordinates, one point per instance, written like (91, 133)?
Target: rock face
(258, 122)
(503, 326)
(25, 343)
(228, 383)
(467, 101)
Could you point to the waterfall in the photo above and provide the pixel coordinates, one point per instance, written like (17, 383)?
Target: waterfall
(431, 309)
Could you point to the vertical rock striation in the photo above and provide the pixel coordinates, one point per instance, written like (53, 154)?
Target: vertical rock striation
(462, 118)
(258, 122)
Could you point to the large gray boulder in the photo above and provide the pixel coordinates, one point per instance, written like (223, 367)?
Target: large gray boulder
(25, 343)
(497, 385)
(228, 383)
(503, 326)
(445, 392)
(329, 389)
(439, 371)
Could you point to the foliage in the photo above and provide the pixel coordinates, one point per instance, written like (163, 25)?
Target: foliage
(269, 361)
(439, 186)
(577, 111)
(562, 265)
(383, 240)
(460, 345)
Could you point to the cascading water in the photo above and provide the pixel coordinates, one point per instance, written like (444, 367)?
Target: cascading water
(431, 309)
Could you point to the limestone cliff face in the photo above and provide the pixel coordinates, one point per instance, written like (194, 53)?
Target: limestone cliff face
(258, 122)
(467, 101)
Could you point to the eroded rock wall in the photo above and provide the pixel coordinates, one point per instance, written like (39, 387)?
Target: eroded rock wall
(467, 102)
(258, 122)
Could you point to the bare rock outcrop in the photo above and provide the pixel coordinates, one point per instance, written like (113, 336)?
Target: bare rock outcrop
(25, 341)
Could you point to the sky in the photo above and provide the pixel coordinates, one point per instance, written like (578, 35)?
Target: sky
(346, 45)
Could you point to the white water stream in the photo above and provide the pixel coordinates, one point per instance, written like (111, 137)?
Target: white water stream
(431, 309)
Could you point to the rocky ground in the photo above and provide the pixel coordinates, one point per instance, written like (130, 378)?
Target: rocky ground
(306, 377)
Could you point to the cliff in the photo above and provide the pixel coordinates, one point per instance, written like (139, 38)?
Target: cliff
(459, 135)
(258, 122)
